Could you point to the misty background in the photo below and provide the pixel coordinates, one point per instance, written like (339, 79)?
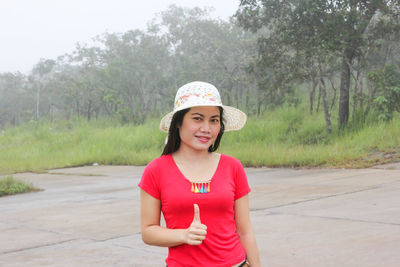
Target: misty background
(31, 30)
(123, 61)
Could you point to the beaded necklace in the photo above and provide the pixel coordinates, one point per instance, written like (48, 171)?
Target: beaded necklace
(202, 187)
(198, 187)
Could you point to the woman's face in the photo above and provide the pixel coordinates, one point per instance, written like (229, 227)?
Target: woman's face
(200, 127)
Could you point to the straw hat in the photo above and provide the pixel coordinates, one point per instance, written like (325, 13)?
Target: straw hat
(203, 94)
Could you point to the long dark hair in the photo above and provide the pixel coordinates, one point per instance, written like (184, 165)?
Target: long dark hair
(174, 140)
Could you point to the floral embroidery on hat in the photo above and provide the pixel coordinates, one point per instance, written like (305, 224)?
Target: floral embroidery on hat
(192, 97)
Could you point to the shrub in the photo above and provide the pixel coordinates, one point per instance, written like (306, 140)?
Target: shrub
(11, 186)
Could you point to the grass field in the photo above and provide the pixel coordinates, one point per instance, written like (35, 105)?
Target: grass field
(284, 137)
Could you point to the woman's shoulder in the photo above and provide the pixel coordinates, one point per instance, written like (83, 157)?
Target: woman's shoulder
(159, 162)
(230, 159)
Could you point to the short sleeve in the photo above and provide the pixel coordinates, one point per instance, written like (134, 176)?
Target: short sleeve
(150, 181)
(242, 185)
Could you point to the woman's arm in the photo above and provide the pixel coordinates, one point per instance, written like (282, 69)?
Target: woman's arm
(245, 230)
(154, 234)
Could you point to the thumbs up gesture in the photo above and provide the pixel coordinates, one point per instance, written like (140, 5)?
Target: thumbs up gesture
(196, 232)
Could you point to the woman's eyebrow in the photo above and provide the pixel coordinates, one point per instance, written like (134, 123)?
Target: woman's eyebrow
(199, 114)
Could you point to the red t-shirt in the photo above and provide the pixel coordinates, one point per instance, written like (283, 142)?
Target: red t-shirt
(163, 180)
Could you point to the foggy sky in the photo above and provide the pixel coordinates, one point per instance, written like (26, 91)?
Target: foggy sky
(35, 29)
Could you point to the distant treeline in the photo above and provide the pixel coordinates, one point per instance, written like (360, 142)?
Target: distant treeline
(343, 54)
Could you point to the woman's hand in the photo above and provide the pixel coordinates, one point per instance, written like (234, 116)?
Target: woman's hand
(154, 234)
(196, 233)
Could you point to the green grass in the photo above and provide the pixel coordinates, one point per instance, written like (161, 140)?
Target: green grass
(11, 186)
(44, 146)
(293, 138)
(283, 137)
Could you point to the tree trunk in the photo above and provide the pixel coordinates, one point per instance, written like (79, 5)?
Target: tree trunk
(241, 92)
(77, 107)
(247, 103)
(229, 99)
(319, 99)
(356, 94)
(89, 110)
(236, 96)
(312, 94)
(361, 94)
(355, 100)
(372, 90)
(334, 93)
(326, 107)
(37, 102)
(259, 107)
(344, 90)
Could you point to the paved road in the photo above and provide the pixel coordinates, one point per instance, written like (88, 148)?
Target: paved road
(89, 216)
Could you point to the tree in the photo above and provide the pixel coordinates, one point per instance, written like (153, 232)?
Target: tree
(136, 68)
(40, 74)
(207, 49)
(90, 66)
(134, 75)
(386, 84)
(337, 27)
(13, 98)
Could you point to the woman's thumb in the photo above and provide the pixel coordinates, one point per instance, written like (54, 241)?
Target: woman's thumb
(196, 217)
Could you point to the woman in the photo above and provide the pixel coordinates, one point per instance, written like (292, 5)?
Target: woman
(203, 195)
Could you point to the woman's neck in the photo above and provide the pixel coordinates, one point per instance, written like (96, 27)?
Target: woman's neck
(184, 154)
(196, 166)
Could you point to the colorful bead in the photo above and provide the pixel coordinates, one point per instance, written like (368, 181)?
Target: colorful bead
(201, 188)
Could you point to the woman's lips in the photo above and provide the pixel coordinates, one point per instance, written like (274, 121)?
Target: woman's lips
(203, 139)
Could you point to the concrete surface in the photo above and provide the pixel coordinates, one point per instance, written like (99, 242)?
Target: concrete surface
(89, 216)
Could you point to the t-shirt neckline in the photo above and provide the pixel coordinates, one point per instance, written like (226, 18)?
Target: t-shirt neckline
(186, 179)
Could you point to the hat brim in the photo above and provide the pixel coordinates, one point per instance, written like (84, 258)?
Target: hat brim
(234, 119)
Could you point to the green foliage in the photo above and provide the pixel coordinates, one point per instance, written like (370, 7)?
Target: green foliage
(11, 186)
(302, 38)
(387, 85)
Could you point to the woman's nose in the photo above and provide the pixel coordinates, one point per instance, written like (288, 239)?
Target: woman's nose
(205, 127)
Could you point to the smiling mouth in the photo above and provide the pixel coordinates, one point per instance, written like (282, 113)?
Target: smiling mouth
(203, 139)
